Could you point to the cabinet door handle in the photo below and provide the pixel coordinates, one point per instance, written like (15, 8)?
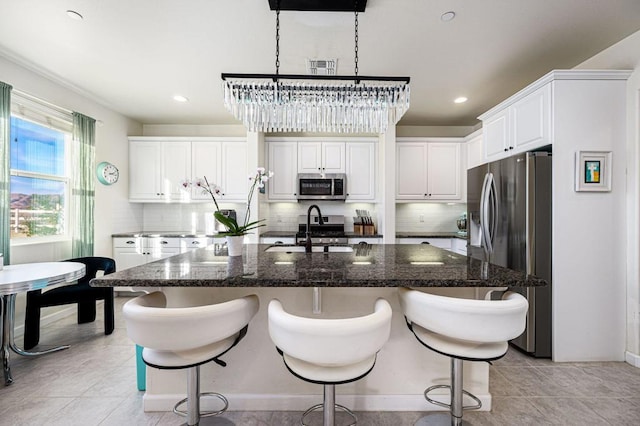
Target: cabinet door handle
(506, 149)
(510, 147)
(164, 242)
(131, 242)
(195, 242)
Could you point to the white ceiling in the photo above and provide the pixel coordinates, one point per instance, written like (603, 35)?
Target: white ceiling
(135, 55)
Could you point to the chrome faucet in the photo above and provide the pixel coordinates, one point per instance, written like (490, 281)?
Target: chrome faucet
(307, 243)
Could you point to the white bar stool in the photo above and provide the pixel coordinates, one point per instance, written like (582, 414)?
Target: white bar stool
(175, 338)
(464, 330)
(329, 351)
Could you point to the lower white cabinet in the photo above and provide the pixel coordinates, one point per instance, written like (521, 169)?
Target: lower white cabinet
(277, 240)
(459, 246)
(366, 240)
(133, 251)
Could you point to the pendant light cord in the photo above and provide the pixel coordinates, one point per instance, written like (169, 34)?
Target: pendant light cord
(355, 9)
(277, 37)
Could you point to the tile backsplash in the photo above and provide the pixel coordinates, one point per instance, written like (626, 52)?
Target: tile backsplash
(430, 217)
(198, 218)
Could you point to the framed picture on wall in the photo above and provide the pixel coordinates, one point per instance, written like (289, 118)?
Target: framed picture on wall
(593, 171)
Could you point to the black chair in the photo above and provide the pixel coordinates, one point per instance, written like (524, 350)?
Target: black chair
(81, 293)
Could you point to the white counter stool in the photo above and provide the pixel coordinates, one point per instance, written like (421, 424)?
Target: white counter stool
(175, 338)
(464, 330)
(329, 351)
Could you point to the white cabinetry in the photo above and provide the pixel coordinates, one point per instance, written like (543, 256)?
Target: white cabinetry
(321, 157)
(205, 161)
(134, 251)
(356, 157)
(157, 169)
(192, 243)
(282, 161)
(234, 180)
(428, 170)
(459, 245)
(159, 166)
(277, 240)
(443, 243)
(518, 127)
(475, 155)
(361, 162)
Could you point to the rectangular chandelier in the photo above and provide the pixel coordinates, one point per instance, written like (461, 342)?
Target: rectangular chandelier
(299, 103)
(315, 103)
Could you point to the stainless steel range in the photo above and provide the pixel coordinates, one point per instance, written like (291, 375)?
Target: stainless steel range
(330, 232)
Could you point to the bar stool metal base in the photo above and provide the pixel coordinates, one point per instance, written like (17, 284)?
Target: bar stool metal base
(328, 407)
(192, 400)
(454, 417)
(440, 419)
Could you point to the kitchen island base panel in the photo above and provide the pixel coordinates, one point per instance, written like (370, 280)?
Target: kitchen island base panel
(256, 379)
(296, 402)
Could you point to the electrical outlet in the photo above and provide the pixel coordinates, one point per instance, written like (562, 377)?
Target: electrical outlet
(421, 218)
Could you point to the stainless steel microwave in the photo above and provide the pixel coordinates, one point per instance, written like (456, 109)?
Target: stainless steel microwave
(328, 186)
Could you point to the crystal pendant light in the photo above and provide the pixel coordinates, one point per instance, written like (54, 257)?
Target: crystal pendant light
(312, 103)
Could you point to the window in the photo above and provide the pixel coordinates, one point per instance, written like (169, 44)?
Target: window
(39, 180)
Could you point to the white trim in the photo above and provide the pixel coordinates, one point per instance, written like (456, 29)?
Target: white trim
(186, 139)
(557, 75)
(296, 402)
(47, 319)
(632, 359)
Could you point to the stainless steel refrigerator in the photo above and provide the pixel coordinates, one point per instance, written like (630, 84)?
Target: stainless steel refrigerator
(509, 224)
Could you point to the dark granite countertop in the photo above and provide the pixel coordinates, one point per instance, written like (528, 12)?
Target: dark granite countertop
(292, 234)
(425, 234)
(379, 265)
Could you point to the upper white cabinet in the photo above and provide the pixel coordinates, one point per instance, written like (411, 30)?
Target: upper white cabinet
(157, 169)
(428, 170)
(234, 180)
(356, 157)
(282, 161)
(159, 166)
(206, 161)
(475, 156)
(520, 126)
(361, 162)
(321, 157)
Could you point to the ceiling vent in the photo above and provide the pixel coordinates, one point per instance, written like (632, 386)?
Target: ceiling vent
(322, 66)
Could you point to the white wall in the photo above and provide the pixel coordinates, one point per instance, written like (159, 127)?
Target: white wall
(588, 227)
(113, 212)
(626, 55)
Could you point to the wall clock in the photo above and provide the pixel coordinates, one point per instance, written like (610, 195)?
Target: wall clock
(108, 174)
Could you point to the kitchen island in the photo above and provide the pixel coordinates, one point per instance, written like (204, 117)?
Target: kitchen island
(336, 284)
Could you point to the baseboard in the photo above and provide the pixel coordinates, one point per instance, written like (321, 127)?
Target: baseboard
(18, 330)
(633, 359)
(261, 402)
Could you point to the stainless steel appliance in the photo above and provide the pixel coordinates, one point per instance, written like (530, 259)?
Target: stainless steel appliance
(326, 186)
(231, 214)
(331, 231)
(509, 224)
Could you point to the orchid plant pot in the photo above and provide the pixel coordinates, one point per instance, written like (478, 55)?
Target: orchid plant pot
(234, 245)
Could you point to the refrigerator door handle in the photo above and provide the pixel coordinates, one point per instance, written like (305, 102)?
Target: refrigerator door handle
(484, 213)
(493, 207)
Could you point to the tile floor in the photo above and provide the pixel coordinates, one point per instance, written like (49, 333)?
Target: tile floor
(93, 383)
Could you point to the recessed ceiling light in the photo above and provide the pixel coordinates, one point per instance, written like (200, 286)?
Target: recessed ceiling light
(180, 98)
(448, 16)
(460, 100)
(74, 15)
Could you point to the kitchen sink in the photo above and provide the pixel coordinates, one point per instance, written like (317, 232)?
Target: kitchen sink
(314, 249)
